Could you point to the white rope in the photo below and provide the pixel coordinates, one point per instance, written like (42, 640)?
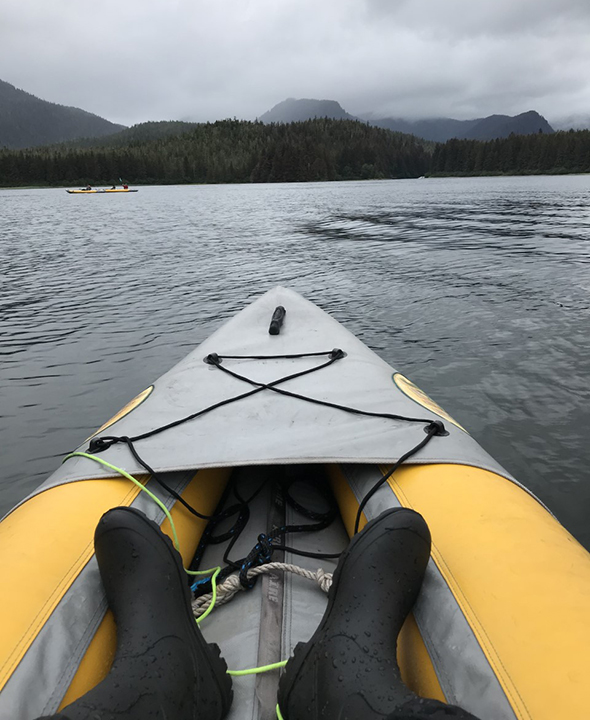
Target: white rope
(231, 586)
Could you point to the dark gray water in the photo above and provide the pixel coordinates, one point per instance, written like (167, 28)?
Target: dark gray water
(478, 289)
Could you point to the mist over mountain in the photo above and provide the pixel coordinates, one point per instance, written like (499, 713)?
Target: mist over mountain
(28, 121)
(436, 129)
(488, 128)
(572, 122)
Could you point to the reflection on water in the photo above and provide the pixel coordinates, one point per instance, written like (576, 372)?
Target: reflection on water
(479, 289)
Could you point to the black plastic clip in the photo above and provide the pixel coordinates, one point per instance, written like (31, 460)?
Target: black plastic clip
(99, 444)
(212, 359)
(337, 354)
(436, 427)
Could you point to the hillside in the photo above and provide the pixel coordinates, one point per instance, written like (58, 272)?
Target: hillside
(502, 126)
(225, 152)
(28, 121)
(292, 110)
(136, 134)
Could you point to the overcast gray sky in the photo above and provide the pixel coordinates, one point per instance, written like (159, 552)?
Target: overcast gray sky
(137, 60)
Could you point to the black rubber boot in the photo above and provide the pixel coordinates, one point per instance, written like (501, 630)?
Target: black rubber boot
(348, 670)
(163, 667)
(426, 709)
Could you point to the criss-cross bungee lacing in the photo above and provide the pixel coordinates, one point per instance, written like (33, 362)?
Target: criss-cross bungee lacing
(262, 553)
(241, 575)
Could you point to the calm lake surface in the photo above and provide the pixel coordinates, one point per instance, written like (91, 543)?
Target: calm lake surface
(478, 289)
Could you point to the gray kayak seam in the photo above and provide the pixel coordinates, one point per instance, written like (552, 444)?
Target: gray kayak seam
(440, 670)
(305, 603)
(235, 627)
(62, 686)
(142, 502)
(270, 638)
(489, 696)
(382, 500)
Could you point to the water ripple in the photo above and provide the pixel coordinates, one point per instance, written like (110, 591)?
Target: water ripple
(477, 288)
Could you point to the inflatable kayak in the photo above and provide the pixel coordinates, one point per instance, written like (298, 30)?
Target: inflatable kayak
(285, 414)
(106, 190)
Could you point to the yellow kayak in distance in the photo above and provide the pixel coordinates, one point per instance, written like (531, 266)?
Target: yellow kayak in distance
(100, 191)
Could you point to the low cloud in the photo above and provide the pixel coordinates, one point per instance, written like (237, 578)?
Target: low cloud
(185, 59)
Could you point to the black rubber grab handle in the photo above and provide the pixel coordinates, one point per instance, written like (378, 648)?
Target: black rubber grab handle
(277, 320)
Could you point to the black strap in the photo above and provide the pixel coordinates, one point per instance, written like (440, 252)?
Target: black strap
(274, 540)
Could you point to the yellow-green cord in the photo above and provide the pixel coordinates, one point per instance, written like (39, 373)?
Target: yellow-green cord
(141, 486)
(215, 571)
(161, 505)
(262, 669)
(279, 715)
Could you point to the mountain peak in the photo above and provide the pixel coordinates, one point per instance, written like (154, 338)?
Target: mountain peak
(297, 110)
(501, 126)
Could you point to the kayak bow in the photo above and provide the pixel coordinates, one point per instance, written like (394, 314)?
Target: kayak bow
(309, 413)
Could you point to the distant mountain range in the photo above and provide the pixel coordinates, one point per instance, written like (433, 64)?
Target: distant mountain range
(27, 121)
(488, 128)
(436, 129)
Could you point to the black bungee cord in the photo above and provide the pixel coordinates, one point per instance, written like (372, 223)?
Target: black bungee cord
(435, 427)
(266, 545)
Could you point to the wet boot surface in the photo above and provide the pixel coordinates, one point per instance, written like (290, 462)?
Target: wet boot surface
(348, 670)
(163, 667)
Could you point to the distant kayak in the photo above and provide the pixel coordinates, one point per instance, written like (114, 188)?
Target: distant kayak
(100, 191)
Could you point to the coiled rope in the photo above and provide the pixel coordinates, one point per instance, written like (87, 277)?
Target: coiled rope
(232, 585)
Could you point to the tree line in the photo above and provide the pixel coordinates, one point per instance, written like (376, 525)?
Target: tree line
(560, 152)
(234, 151)
(229, 151)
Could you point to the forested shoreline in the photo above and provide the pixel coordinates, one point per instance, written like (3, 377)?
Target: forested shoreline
(539, 154)
(229, 151)
(234, 151)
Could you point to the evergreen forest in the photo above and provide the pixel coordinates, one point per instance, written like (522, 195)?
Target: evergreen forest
(234, 151)
(229, 151)
(560, 152)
